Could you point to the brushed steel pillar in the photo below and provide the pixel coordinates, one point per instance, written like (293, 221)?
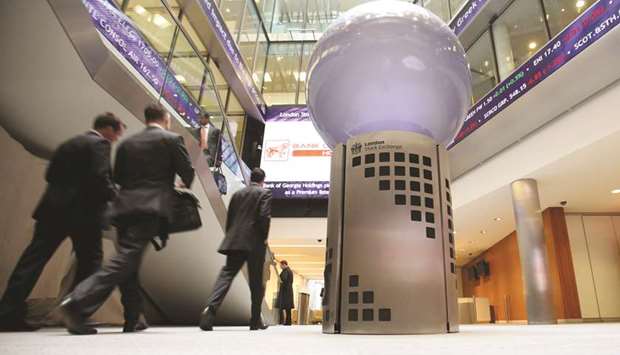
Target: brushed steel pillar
(532, 252)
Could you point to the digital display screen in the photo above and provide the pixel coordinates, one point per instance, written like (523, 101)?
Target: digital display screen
(294, 157)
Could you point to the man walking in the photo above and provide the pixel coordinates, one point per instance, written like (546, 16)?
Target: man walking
(247, 229)
(145, 168)
(78, 189)
(209, 140)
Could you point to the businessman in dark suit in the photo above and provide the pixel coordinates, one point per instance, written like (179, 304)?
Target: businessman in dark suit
(247, 229)
(209, 140)
(145, 169)
(79, 186)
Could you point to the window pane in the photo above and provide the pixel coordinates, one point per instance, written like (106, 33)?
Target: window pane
(482, 66)
(308, 47)
(231, 11)
(562, 12)
(518, 33)
(438, 7)
(280, 86)
(455, 6)
(154, 22)
(261, 58)
(248, 34)
(186, 66)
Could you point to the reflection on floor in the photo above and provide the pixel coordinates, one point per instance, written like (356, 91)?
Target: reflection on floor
(599, 338)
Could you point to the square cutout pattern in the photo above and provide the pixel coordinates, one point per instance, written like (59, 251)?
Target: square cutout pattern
(384, 157)
(354, 280)
(384, 185)
(414, 158)
(399, 170)
(426, 161)
(400, 185)
(399, 157)
(385, 314)
(430, 232)
(352, 317)
(428, 175)
(384, 171)
(400, 199)
(414, 186)
(353, 298)
(369, 172)
(416, 216)
(369, 158)
(414, 172)
(368, 297)
(368, 314)
(357, 161)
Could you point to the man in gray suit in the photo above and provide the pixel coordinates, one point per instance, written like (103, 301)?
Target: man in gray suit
(247, 229)
(145, 169)
(209, 140)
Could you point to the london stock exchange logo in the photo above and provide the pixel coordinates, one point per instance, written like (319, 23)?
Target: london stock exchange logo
(356, 148)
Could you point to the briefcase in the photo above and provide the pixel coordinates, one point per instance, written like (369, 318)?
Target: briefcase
(220, 180)
(185, 215)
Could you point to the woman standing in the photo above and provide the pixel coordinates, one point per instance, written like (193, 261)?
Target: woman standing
(285, 294)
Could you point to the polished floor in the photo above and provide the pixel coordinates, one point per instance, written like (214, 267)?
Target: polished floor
(599, 338)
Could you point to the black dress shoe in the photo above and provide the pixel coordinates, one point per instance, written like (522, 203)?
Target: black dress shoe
(259, 326)
(137, 326)
(207, 319)
(73, 320)
(17, 325)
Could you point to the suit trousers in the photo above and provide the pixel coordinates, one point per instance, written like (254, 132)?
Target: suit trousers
(47, 238)
(121, 270)
(234, 262)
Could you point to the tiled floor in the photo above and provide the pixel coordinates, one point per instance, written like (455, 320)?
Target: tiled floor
(599, 339)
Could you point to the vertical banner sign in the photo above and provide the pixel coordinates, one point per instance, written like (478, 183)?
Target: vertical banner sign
(119, 31)
(295, 158)
(593, 24)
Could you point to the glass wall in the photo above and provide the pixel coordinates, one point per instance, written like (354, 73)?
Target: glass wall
(482, 65)
(518, 33)
(283, 67)
(562, 12)
(201, 84)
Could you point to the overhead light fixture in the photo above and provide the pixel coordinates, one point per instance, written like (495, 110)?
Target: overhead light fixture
(227, 10)
(616, 191)
(160, 21)
(563, 9)
(532, 45)
(139, 10)
(497, 219)
(580, 3)
(486, 63)
(267, 77)
(180, 78)
(508, 59)
(279, 58)
(483, 231)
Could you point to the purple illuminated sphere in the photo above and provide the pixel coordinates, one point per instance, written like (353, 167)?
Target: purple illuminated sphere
(388, 65)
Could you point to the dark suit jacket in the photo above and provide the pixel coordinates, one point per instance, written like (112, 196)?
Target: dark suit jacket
(145, 168)
(79, 183)
(248, 220)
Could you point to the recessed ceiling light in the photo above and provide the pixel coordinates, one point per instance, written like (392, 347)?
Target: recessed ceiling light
(486, 63)
(139, 9)
(563, 10)
(160, 21)
(483, 231)
(497, 219)
(579, 4)
(267, 78)
(616, 191)
(532, 45)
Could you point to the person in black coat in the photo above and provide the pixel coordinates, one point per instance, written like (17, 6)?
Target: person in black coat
(145, 168)
(285, 293)
(247, 229)
(79, 187)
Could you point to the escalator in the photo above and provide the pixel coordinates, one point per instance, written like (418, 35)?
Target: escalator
(64, 62)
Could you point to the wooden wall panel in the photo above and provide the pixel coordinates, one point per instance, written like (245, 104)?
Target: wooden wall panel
(561, 270)
(504, 287)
